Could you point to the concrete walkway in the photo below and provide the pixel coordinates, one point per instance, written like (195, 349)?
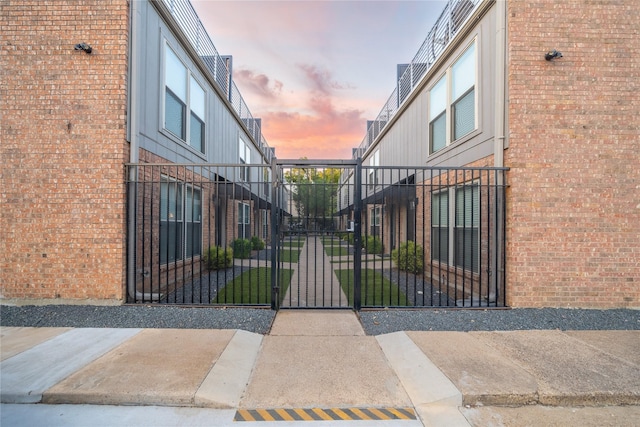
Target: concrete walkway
(318, 362)
(314, 283)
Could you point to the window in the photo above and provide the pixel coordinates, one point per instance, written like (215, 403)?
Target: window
(244, 221)
(180, 221)
(375, 220)
(459, 239)
(265, 224)
(440, 226)
(467, 227)
(453, 96)
(463, 77)
(183, 93)
(374, 162)
(196, 134)
(244, 155)
(438, 115)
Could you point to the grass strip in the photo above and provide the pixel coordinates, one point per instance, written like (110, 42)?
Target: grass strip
(336, 251)
(252, 287)
(377, 290)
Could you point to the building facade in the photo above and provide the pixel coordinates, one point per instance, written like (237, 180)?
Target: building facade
(480, 93)
(100, 147)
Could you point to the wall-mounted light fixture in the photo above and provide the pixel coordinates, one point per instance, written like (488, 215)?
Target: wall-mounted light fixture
(83, 46)
(552, 54)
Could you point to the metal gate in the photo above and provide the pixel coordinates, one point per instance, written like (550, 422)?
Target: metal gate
(316, 253)
(316, 234)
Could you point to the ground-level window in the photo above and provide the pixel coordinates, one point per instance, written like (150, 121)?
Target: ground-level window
(180, 221)
(376, 212)
(456, 240)
(244, 221)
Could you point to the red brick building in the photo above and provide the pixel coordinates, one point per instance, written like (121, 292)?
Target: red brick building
(567, 129)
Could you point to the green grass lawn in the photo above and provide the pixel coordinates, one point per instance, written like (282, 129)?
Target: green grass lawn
(377, 290)
(294, 243)
(252, 287)
(336, 251)
(329, 241)
(289, 255)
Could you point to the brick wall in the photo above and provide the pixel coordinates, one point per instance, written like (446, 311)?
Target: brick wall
(63, 148)
(573, 202)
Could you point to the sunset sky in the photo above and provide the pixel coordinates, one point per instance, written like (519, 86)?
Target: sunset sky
(316, 71)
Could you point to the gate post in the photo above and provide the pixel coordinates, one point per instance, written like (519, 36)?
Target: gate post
(357, 238)
(275, 213)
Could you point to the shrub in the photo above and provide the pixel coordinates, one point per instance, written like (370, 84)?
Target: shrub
(409, 257)
(217, 258)
(257, 244)
(241, 248)
(372, 245)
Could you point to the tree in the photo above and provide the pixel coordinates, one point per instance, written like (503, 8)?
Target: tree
(314, 193)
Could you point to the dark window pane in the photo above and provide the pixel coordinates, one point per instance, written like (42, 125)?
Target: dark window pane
(174, 111)
(464, 115)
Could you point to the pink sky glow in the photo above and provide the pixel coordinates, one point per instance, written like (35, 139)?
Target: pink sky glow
(316, 71)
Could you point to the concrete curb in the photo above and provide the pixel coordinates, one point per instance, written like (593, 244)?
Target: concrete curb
(436, 400)
(225, 384)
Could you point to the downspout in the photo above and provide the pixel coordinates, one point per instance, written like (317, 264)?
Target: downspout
(498, 240)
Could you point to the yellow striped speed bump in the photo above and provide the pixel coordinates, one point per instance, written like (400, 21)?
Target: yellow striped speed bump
(325, 414)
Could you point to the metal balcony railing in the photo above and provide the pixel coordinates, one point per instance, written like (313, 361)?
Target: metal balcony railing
(452, 18)
(188, 20)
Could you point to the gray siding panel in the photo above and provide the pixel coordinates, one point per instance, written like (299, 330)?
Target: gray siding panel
(406, 140)
(222, 128)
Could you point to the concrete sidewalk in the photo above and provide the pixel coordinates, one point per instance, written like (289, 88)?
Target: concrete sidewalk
(317, 364)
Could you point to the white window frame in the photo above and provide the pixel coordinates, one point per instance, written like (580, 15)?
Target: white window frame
(447, 82)
(194, 104)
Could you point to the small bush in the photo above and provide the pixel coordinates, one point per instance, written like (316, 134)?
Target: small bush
(257, 244)
(241, 248)
(217, 258)
(372, 245)
(409, 257)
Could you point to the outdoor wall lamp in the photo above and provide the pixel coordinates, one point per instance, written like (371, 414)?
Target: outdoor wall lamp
(83, 46)
(552, 55)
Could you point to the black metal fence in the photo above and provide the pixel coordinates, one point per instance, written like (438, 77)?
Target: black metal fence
(433, 237)
(332, 235)
(201, 234)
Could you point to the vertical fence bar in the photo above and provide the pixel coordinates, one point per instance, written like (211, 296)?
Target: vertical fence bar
(357, 243)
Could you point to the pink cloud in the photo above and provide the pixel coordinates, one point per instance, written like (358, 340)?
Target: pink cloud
(258, 84)
(324, 130)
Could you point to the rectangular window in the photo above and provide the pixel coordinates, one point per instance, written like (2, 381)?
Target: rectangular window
(196, 134)
(374, 161)
(244, 221)
(467, 227)
(265, 224)
(463, 78)
(183, 93)
(454, 97)
(375, 220)
(438, 115)
(457, 239)
(244, 155)
(180, 221)
(440, 226)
